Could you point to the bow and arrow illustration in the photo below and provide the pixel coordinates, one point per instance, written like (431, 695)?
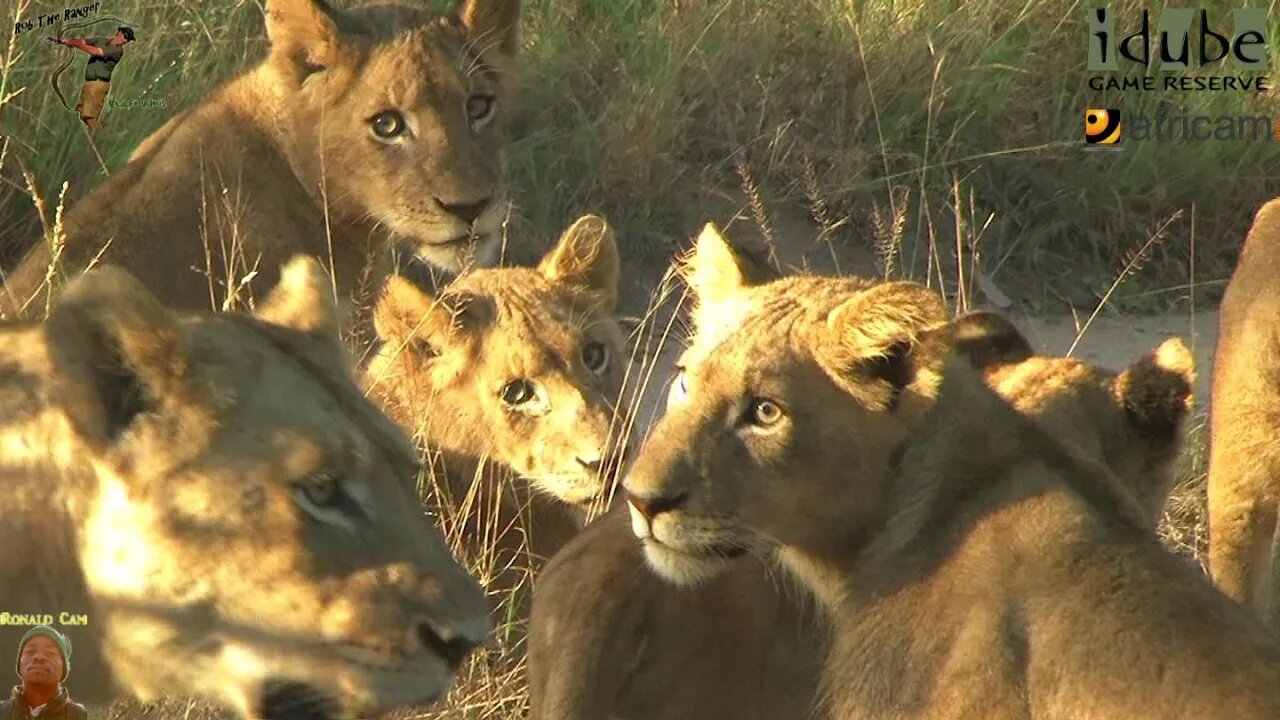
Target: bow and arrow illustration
(70, 53)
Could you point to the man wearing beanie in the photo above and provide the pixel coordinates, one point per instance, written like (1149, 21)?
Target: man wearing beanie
(44, 659)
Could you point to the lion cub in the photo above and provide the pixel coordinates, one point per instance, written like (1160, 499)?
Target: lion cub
(608, 639)
(522, 367)
(1244, 419)
(360, 126)
(970, 564)
(219, 500)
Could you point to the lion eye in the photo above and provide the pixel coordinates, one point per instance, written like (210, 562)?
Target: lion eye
(678, 389)
(596, 357)
(423, 347)
(387, 124)
(321, 489)
(517, 392)
(764, 413)
(480, 108)
(681, 384)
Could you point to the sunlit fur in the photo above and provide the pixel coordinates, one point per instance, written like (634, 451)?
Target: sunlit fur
(1244, 419)
(970, 564)
(605, 632)
(284, 159)
(155, 471)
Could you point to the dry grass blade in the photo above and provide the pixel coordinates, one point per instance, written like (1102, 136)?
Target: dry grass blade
(1134, 261)
(758, 212)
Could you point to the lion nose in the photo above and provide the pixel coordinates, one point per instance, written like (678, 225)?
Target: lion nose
(651, 507)
(590, 460)
(467, 212)
(452, 647)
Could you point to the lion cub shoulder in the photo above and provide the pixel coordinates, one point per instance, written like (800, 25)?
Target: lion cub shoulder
(1244, 419)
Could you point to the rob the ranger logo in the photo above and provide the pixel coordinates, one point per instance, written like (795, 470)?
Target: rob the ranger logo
(1246, 45)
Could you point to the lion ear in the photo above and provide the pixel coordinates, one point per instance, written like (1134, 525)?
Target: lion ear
(303, 33)
(1156, 392)
(302, 300)
(407, 311)
(716, 272)
(585, 258)
(879, 331)
(987, 340)
(401, 311)
(492, 24)
(119, 353)
(713, 270)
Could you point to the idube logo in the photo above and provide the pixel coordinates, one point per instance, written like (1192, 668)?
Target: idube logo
(1183, 40)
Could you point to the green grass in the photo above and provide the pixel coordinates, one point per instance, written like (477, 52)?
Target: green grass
(182, 50)
(643, 109)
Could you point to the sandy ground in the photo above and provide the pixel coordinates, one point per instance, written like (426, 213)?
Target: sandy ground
(1115, 342)
(1109, 341)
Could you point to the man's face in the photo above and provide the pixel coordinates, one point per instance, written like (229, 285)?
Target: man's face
(119, 39)
(40, 662)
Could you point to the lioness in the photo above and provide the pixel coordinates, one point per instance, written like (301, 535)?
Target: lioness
(1244, 418)
(971, 565)
(219, 500)
(609, 640)
(360, 127)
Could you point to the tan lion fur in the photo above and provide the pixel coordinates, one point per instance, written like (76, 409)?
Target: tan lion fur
(609, 640)
(1244, 419)
(518, 477)
(282, 159)
(218, 497)
(971, 565)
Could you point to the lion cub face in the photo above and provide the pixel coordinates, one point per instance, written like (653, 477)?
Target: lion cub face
(523, 366)
(397, 116)
(254, 534)
(789, 403)
(777, 377)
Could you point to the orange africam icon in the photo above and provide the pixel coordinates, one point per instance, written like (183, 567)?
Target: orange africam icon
(1101, 126)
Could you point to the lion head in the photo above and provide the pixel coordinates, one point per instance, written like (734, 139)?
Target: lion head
(245, 520)
(776, 374)
(523, 366)
(822, 379)
(395, 115)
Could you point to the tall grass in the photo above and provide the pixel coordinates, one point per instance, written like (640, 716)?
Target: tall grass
(646, 109)
(182, 49)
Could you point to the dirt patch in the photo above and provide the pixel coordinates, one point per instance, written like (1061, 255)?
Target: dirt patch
(788, 237)
(1115, 342)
